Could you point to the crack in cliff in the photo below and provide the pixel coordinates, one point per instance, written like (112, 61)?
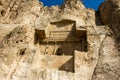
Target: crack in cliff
(99, 51)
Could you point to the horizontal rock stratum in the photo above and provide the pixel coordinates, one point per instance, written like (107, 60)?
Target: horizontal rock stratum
(67, 42)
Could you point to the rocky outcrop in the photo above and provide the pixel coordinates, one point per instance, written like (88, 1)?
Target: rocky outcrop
(109, 59)
(61, 55)
(110, 14)
(18, 11)
(108, 10)
(16, 42)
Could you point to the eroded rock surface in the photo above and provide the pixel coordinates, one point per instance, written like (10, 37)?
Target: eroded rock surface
(109, 59)
(67, 42)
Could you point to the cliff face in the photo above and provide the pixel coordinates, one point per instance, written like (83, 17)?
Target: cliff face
(109, 53)
(110, 14)
(67, 42)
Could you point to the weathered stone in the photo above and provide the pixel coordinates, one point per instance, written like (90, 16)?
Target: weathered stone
(67, 42)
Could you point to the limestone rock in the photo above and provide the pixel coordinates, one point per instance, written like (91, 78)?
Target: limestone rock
(110, 14)
(13, 10)
(109, 11)
(109, 52)
(15, 42)
(67, 42)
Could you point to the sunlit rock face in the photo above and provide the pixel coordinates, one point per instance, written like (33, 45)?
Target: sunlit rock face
(107, 66)
(67, 42)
